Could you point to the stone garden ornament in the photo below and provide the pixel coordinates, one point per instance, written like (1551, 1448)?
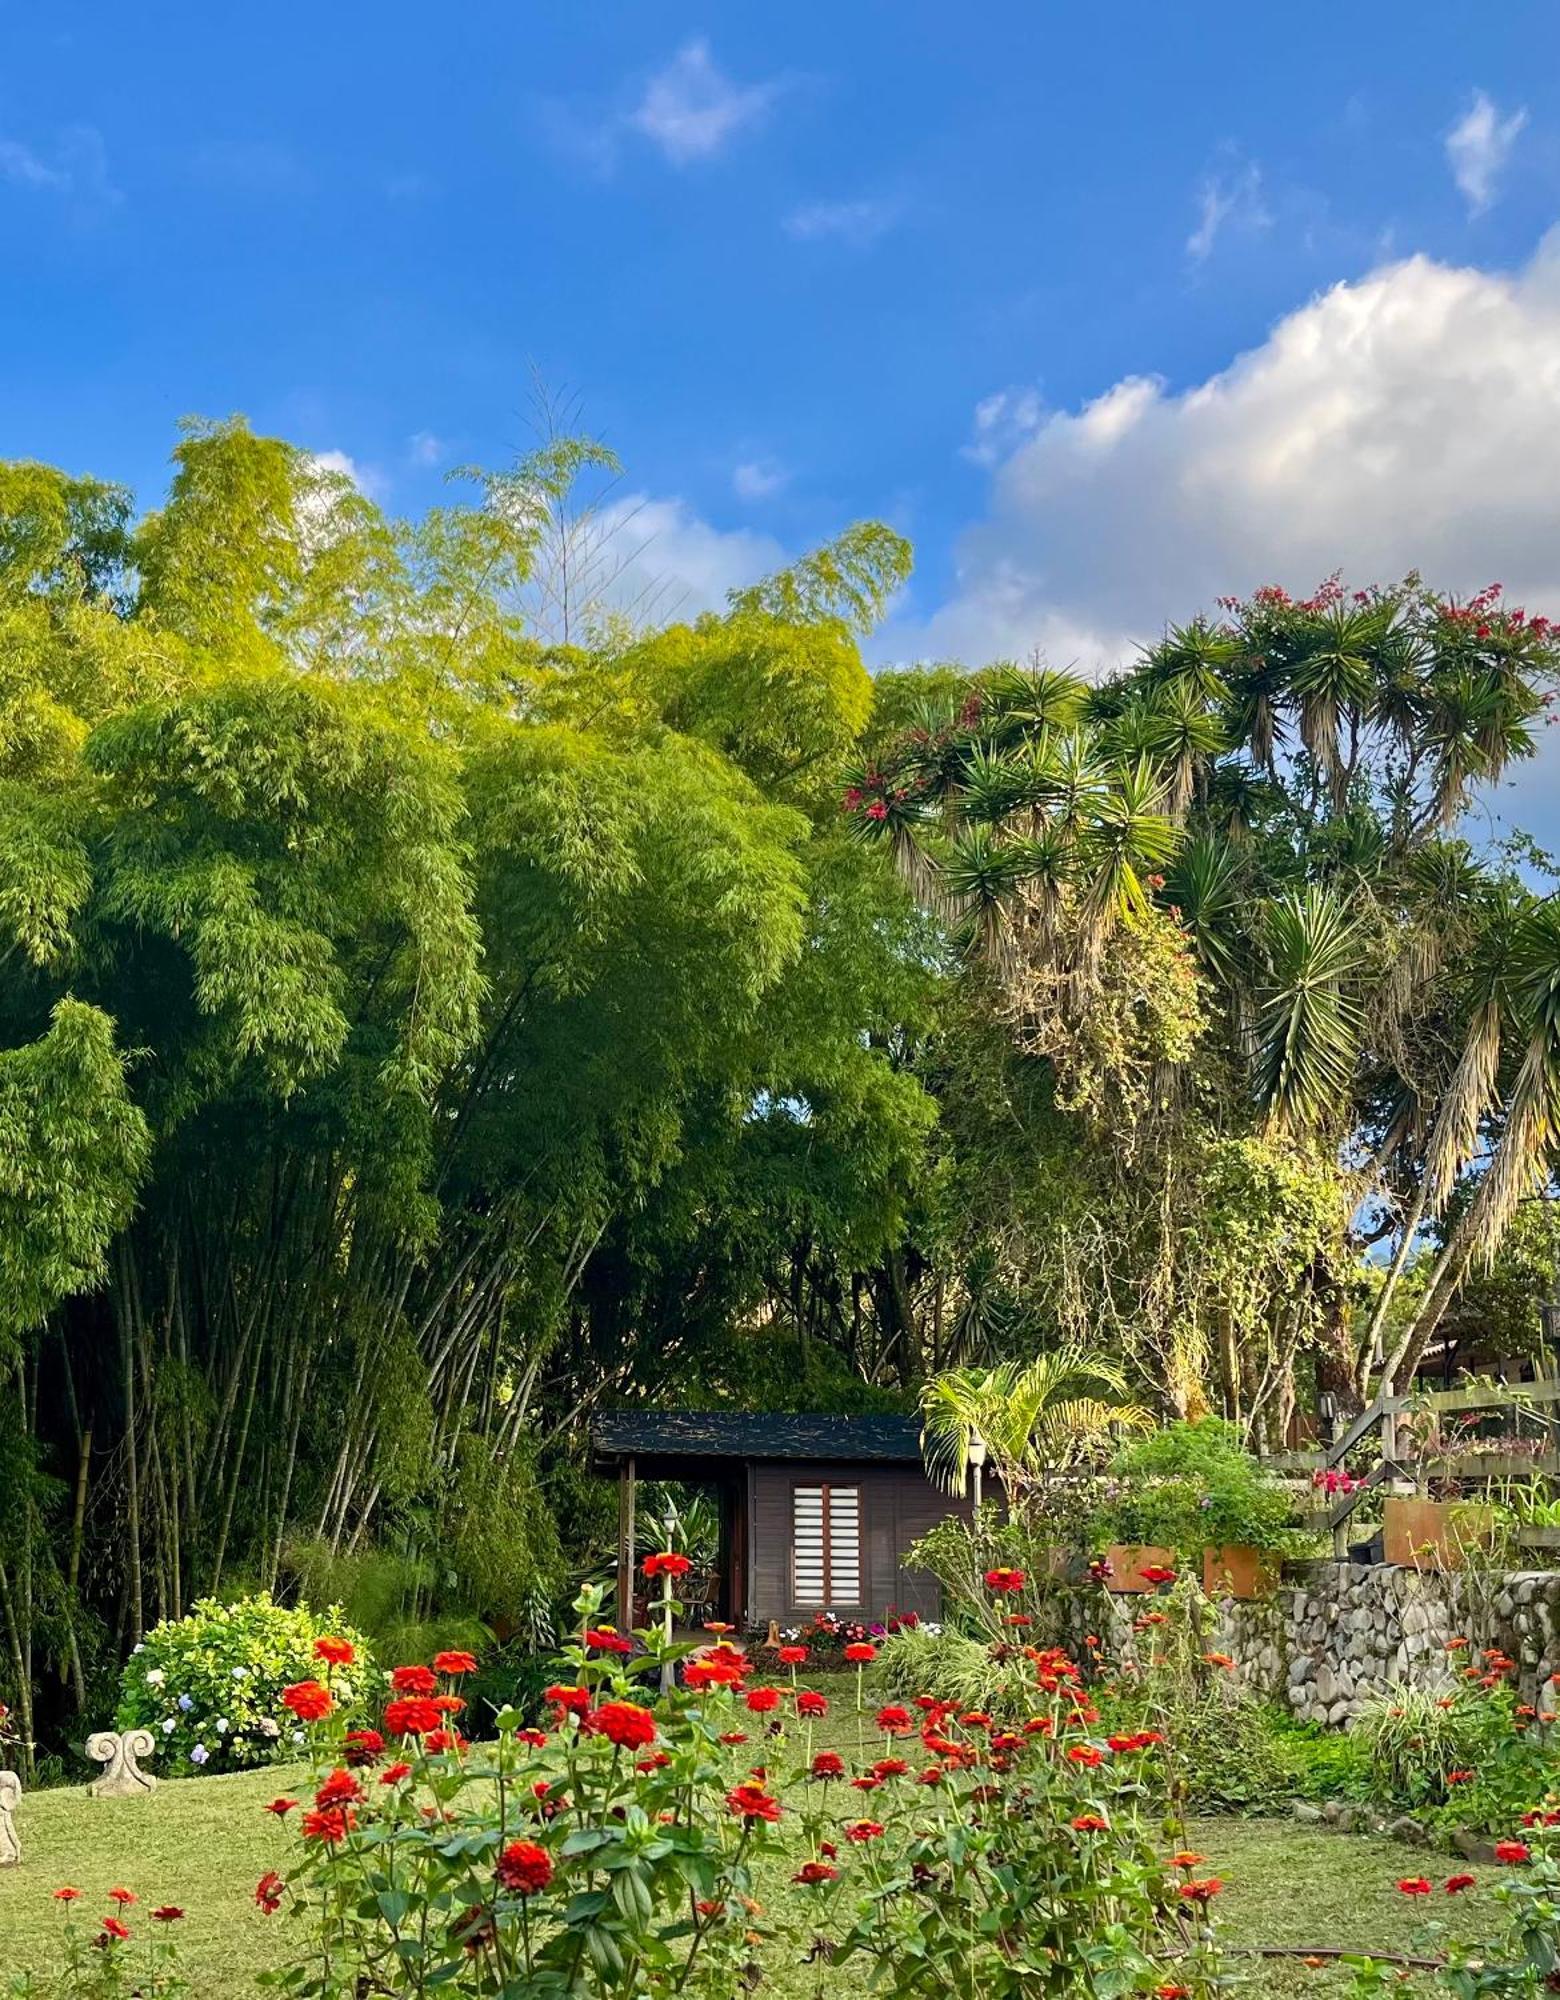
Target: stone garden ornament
(10, 1839)
(124, 1778)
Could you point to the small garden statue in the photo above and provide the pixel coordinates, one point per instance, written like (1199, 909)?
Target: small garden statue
(124, 1778)
(10, 1839)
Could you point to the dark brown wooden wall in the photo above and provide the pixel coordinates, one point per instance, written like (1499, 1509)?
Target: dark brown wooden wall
(898, 1504)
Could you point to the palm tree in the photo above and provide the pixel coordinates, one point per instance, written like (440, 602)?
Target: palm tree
(1036, 1417)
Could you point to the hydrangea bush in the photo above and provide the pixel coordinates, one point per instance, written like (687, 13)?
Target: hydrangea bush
(209, 1686)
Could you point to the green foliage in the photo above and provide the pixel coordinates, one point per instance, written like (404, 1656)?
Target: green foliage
(1471, 1759)
(952, 1667)
(73, 1149)
(209, 1686)
(1193, 1486)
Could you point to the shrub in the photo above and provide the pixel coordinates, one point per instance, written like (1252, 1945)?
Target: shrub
(1193, 1486)
(950, 1666)
(1473, 1758)
(209, 1686)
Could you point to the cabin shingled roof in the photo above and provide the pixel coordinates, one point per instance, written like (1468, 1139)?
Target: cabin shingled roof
(756, 1435)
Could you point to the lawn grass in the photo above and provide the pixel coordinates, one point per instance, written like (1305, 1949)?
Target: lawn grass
(204, 1842)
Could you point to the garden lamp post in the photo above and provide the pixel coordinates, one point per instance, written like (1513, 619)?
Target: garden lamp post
(975, 1455)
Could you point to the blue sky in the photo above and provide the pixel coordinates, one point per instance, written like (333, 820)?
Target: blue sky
(1108, 308)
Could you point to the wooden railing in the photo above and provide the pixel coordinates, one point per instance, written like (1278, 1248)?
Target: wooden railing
(1382, 1415)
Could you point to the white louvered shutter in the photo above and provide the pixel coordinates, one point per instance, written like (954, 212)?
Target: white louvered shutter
(826, 1545)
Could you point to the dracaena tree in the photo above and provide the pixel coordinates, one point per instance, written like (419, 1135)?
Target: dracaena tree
(1274, 795)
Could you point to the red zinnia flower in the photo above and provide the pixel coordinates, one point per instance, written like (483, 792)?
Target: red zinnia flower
(331, 1826)
(395, 1774)
(1086, 1754)
(1513, 1850)
(414, 1680)
(281, 1807)
(455, 1663)
(335, 1652)
(667, 1563)
(1200, 1892)
(524, 1868)
(1455, 1884)
(1090, 1823)
(268, 1892)
(864, 1830)
(123, 1897)
(568, 1700)
(363, 1747)
(308, 1700)
(1414, 1885)
(67, 1895)
(828, 1764)
(894, 1721)
(860, 1653)
(813, 1872)
(1158, 1573)
(602, 1639)
(623, 1723)
(792, 1656)
(170, 1913)
(339, 1789)
(762, 1700)
(113, 1928)
(412, 1717)
(810, 1704)
(1005, 1582)
(750, 1802)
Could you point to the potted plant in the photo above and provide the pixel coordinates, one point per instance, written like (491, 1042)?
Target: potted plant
(1193, 1493)
(1418, 1532)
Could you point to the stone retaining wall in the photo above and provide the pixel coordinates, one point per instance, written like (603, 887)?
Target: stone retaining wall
(1336, 1633)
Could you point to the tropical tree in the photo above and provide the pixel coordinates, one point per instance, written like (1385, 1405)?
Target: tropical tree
(1274, 796)
(1037, 1417)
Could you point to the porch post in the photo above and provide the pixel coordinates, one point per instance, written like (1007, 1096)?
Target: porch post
(625, 1575)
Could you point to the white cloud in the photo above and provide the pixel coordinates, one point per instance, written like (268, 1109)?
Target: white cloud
(691, 109)
(858, 223)
(1410, 419)
(77, 166)
(1002, 422)
(1231, 199)
(1478, 147)
(425, 448)
(666, 562)
(370, 480)
(758, 479)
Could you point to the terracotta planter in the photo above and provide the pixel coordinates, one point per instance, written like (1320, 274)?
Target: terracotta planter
(1433, 1534)
(1236, 1570)
(1128, 1562)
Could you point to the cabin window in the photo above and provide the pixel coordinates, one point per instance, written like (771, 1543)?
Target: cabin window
(826, 1545)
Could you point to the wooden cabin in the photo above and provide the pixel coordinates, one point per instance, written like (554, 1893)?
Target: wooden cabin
(817, 1513)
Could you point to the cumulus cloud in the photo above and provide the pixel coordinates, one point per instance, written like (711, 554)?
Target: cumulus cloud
(1410, 419)
(857, 223)
(1231, 198)
(1478, 148)
(659, 560)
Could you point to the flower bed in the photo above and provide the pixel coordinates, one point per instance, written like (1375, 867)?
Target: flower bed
(616, 1851)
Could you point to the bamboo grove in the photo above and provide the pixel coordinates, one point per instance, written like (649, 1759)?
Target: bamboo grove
(434, 1004)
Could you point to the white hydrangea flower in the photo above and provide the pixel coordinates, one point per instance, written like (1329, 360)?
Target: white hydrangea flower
(155, 1677)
